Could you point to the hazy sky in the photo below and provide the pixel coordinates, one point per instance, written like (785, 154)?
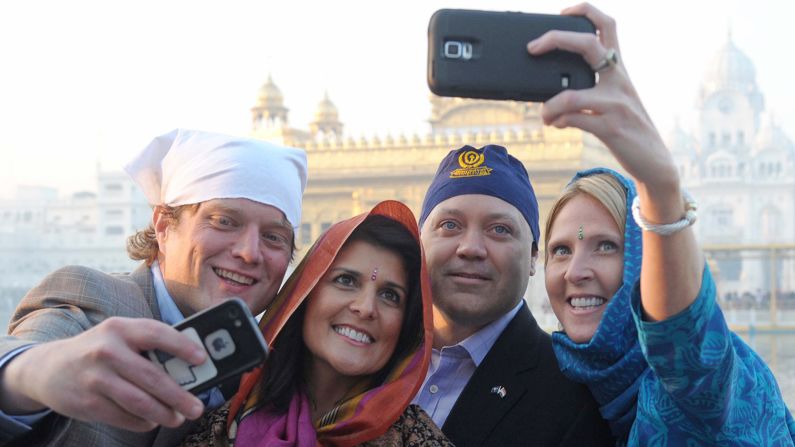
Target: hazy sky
(87, 83)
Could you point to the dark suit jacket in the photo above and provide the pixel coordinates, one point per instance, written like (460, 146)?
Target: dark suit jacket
(541, 407)
(67, 302)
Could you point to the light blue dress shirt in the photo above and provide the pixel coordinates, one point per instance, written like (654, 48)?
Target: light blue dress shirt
(452, 367)
(170, 314)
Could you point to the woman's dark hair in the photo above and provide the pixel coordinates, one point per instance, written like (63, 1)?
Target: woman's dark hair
(283, 375)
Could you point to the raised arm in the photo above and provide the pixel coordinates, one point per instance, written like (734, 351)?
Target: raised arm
(613, 112)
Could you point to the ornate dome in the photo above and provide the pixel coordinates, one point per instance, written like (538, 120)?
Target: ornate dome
(326, 111)
(463, 114)
(270, 96)
(730, 68)
(327, 121)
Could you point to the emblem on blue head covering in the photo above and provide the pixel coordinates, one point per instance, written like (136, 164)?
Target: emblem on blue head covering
(491, 171)
(470, 162)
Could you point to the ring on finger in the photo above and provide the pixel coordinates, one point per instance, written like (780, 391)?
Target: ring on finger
(609, 60)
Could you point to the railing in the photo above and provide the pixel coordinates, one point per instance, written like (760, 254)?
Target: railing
(762, 296)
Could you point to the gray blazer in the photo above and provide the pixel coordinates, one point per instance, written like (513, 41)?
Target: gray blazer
(67, 302)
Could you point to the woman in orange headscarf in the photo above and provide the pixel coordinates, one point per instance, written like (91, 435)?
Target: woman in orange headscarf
(351, 337)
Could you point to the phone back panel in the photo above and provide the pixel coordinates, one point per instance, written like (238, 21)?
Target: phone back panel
(483, 54)
(231, 338)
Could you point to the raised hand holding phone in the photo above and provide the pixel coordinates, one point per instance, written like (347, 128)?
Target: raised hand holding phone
(101, 376)
(614, 112)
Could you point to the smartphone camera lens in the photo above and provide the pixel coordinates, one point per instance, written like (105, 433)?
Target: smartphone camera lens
(452, 49)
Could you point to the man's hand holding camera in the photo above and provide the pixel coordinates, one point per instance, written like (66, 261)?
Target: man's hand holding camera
(100, 375)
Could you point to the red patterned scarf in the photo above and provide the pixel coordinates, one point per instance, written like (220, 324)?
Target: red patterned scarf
(369, 412)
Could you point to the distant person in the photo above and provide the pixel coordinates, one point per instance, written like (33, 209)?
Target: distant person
(225, 210)
(350, 335)
(494, 379)
(627, 281)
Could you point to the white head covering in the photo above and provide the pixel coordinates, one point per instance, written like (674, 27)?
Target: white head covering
(184, 167)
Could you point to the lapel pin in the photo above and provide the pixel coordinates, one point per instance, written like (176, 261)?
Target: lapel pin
(499, 390)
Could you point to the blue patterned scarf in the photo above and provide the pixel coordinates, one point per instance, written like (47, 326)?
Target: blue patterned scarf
(611, 364)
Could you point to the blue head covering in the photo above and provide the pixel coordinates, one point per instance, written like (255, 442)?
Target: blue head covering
(611, 364)
(491, 171)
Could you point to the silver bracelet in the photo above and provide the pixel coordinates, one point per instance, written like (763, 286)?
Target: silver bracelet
(667, 229)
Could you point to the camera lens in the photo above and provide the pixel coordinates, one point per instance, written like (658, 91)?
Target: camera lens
(452, 49)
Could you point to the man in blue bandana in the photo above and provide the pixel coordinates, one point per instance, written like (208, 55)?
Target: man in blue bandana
(493, 378)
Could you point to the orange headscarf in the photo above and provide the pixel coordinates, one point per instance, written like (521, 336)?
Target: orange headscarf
(370, 413)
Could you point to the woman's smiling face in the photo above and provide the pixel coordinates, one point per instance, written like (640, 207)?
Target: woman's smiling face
(584, 265)
(355, 313)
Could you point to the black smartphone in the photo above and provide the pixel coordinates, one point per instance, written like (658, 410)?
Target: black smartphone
(229, 334)
(483, 54)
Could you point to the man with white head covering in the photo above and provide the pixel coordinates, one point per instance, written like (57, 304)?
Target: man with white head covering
(71, 372)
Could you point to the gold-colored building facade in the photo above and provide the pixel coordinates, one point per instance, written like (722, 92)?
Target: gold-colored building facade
(348, 176)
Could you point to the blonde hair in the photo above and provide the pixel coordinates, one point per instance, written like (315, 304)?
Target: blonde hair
(142, 246)
(603, 187)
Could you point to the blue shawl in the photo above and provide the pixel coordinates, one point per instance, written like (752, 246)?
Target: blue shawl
(611, 364)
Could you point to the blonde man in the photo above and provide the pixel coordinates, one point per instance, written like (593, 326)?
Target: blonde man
(71, 372)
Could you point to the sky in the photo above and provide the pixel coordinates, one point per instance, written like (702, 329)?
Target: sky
(86, 84)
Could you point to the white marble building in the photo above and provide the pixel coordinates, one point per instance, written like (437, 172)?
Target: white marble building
(740, 166)
(40, 232)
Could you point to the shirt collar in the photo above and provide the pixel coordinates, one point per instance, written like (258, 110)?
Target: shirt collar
(479, 344)
(169, 312)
